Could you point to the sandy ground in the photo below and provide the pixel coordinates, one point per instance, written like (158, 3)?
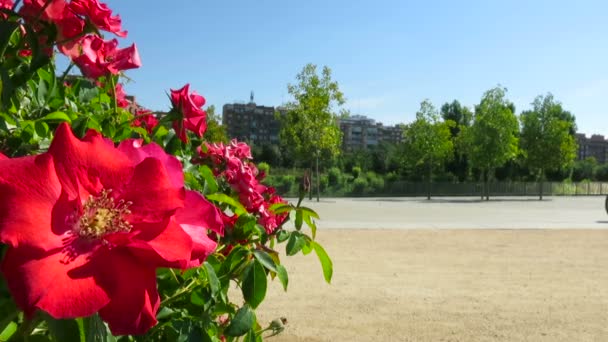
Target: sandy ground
(448, 285)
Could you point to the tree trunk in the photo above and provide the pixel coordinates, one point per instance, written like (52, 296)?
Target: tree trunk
(483, 183)
(310, 188)
(540, 183)
(318, 180)
(487, 185)
(429, 180)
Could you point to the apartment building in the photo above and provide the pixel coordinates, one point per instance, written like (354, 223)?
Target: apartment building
(596, 146)
(361, 132)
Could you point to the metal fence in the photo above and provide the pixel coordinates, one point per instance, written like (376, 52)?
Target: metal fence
(413, 189)
(495, 189)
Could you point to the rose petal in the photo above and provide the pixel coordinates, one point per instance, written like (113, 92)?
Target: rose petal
(30, 191)
(137, 152)
(54, 282)
(171, 248)
(198, 211)
(152, 193)
(131, 286)
(92, 163)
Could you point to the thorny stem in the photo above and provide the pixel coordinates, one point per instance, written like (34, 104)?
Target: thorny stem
(178, 294)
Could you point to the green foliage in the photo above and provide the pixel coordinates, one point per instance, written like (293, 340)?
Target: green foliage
(584, 169)
(601, 173)
(427, 141)
(264, 167)
(492, 139)
(215, 132)
(334, 176)
(282, 183)
(461, 117)
(359, 186)
(356, 171)
(546, 142)
(310, 127)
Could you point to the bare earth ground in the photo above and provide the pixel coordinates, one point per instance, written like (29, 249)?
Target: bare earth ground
(450, 284)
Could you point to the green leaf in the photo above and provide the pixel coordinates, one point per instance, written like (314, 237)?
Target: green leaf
(326, 263)
(223, 198)
(265, 259)
(298, 222)
(57, 117)
(92, 123)
(295, 243)
(214, 282)
(96, 330)
(41, 92)
(282, 273)
(310, 212)
(280, 208)
(311, 224)
(210, 181)
(41, 128)
(241, 323)
(254, 284)
(283, 235)
(164, 313)
(65, 329)
(251, 336)
(7, 28)
(189, 330)
(196, 298)
(8, 331)
(307, 247)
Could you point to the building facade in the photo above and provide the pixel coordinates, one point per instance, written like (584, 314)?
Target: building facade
(596, 146)
(361, 132)
(252, 123)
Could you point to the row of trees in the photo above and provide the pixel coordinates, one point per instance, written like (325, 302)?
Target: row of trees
(489, 137)
(469, 144)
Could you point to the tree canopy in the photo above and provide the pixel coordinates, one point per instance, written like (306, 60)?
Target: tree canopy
(546, 142)
(309, 125)
(492, 139)
(427, 141)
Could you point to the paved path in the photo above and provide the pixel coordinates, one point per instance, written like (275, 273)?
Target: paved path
(461, 212)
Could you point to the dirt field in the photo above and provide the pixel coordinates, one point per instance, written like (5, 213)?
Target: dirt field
(448, 285)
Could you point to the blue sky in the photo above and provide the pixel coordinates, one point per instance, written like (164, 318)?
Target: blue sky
(387, 55)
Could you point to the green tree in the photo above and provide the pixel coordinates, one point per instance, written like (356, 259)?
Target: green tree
(215, 132)
(546, 142)
(427, 141)
(309, 128)
(492, 139)
(462, 117)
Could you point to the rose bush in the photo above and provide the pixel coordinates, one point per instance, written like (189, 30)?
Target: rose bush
(115, 220)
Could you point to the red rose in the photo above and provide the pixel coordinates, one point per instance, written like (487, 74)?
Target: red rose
(121, 97)
(99, 14)
(232, 162)
(193, 118)
(197, 216)
(53, 12)
(145, 118)
(8, 4)
(99, 57)
(87, 226)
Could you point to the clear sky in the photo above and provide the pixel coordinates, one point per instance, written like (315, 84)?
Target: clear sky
(387, 55)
